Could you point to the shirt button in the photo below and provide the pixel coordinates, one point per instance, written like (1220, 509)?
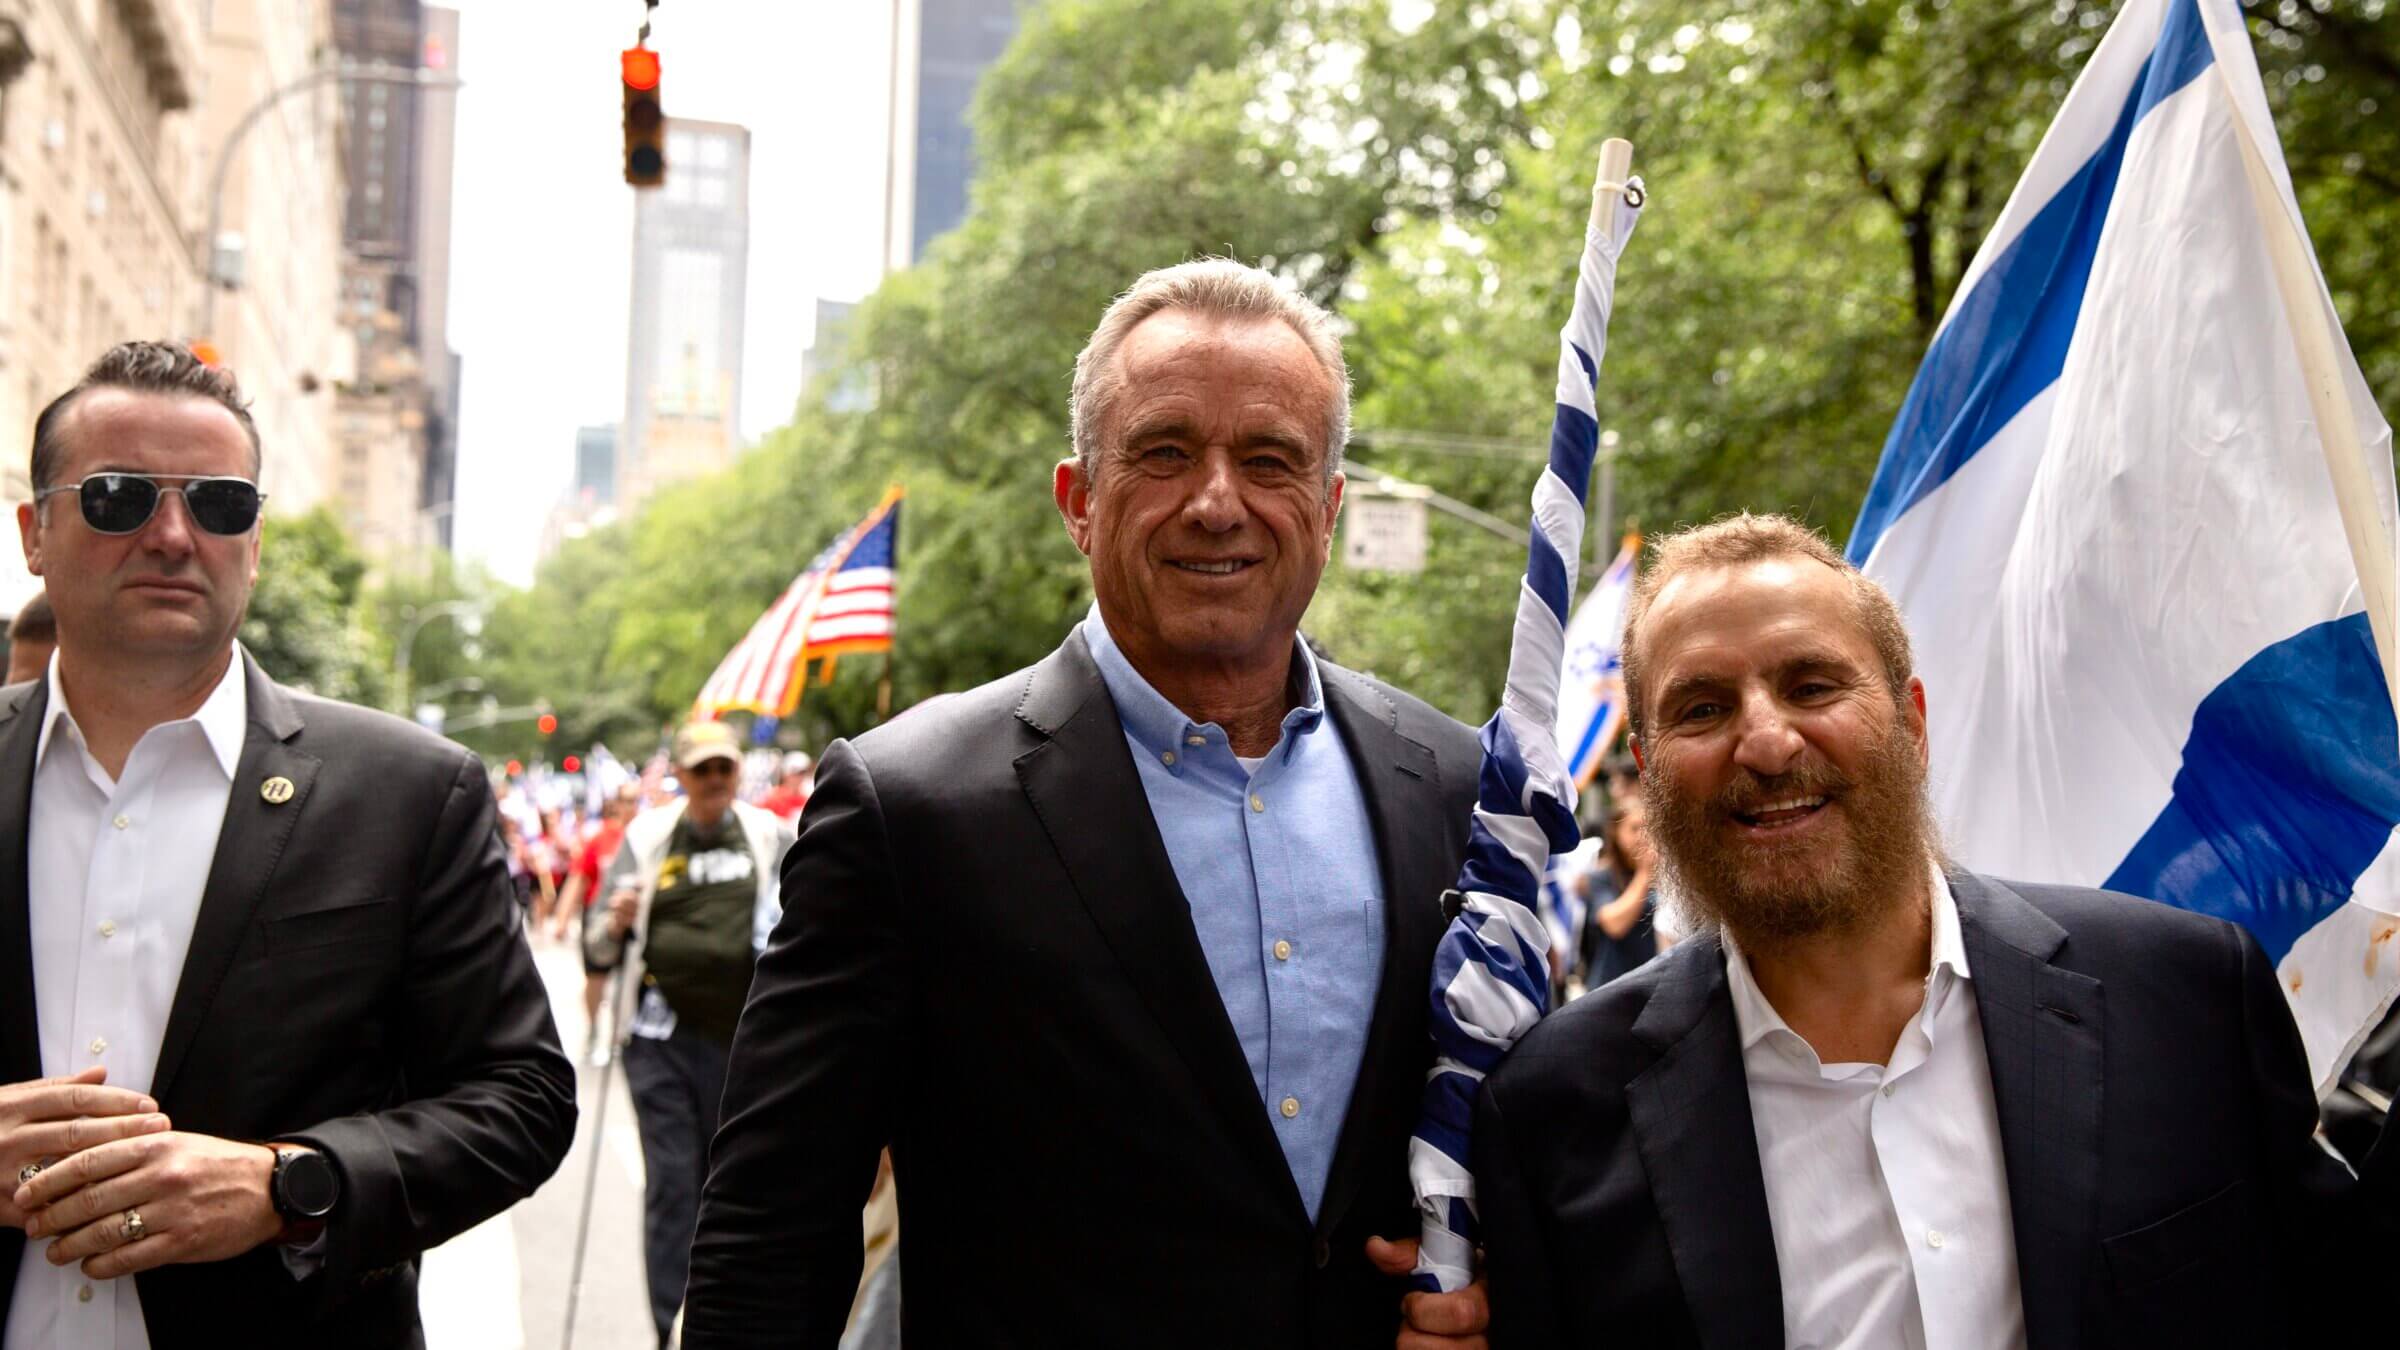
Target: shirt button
(1195, 740)
(1291, 1107)
(122, 821)
(108, 928)
(1934, 1238)
(84, 1295)
(1168, 756)
(99, 1044)
(1257, 803)
(1887, 1091)
(1283, 950)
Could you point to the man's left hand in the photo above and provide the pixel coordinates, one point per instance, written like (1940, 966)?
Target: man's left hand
(201, 1198)
(1454, 1321)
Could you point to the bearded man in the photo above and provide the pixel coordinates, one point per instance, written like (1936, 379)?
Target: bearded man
(1873, 1100)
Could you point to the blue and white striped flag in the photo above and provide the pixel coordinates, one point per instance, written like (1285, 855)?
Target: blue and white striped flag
(2138, 509)
(1491, 973)
(1591, 688)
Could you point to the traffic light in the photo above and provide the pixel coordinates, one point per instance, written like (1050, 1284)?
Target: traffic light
(645, 120)
(546, 723)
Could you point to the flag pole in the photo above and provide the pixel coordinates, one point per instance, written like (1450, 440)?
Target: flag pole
(2319, 352)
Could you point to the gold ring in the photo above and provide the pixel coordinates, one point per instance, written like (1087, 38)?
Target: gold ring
(134, 1227)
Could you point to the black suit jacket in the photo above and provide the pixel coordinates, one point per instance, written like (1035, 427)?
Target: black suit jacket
(985, 961)
(357, 980)
(2155, 1122)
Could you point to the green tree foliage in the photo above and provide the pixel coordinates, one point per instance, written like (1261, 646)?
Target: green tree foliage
(307, 624)
(1822, 174)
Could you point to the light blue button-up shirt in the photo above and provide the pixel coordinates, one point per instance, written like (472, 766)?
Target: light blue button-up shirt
(1278, 864)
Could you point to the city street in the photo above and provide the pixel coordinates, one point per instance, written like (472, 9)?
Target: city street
(504, 1284)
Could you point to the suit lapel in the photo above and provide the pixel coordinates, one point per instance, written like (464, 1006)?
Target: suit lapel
(2042, 1033)
(20, 1037)
(1084, 788)
(249, 845)
(1691, 1120)
(1403, 790)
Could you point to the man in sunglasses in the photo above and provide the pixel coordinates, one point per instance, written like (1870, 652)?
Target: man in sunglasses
(267, 1026)
(691, 898)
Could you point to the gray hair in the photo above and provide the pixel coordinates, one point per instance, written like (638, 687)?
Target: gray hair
(1218, 286)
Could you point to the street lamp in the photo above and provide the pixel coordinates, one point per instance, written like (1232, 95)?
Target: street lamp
(416, 624)
(212, 274)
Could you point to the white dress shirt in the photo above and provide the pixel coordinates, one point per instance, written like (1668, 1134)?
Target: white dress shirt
(114, 874)
(1885, 1183)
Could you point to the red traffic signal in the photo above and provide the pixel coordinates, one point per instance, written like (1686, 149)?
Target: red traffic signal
(640, 67)
(572, 764)
(545, 724)
(645, 119)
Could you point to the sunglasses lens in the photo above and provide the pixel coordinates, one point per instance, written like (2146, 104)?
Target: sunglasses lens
(222, 505)
(117, 503)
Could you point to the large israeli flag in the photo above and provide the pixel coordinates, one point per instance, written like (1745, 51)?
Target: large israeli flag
(2139, 511)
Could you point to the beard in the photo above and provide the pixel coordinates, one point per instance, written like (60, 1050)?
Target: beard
(1772, 892)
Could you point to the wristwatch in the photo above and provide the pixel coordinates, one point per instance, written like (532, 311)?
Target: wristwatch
(305, 1186)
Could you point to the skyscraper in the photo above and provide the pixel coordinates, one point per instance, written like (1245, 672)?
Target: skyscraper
(691, 254)
(940, 50)
(399, 143)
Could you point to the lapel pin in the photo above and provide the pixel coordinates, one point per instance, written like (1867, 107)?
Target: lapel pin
(276, 790)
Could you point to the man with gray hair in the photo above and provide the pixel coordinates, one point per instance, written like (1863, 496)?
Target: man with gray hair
(1124, 955)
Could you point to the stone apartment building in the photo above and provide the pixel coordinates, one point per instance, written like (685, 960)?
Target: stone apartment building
(112, 117)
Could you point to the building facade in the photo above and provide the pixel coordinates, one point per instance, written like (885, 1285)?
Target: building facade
(399, 145)
(691, 251)
(273, 316)
(591, 499)
(99, 154)
(940, 50)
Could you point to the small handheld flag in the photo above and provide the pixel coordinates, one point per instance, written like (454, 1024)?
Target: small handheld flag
(1591, 687)
(1491, 972)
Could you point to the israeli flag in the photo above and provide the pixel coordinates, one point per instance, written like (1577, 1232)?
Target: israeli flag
(1591, 687)
(2138, 509)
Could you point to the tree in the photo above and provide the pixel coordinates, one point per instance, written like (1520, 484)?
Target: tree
(305, 624)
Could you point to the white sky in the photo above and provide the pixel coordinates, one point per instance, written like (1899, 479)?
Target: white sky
(542, 222)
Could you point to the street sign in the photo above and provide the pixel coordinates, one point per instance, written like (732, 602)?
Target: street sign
(1384, 533)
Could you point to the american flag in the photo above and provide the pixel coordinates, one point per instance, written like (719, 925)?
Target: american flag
(839, 604)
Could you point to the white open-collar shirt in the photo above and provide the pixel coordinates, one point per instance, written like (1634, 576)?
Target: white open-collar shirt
(114, 874)
(1885, 1182)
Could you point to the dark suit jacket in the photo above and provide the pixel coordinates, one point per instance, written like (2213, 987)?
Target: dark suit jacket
(2155, 1116)
(985, 961)
(356, 981)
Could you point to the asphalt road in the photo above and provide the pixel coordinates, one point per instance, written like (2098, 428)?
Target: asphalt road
(503, 1285)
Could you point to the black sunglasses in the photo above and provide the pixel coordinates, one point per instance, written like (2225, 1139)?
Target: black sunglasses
(121, 503)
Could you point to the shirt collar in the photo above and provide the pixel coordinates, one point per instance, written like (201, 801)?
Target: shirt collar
(1757, 1019)
(1150, 719)
(223, 717)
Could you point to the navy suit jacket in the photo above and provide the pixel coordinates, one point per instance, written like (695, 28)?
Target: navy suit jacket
(2156, 1119)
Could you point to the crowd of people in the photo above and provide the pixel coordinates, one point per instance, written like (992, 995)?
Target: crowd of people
(1105, 984)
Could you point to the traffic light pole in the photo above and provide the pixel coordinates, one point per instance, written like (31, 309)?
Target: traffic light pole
(345, 73)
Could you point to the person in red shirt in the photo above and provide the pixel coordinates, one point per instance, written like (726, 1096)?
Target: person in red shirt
(583, 879)
(790, 792)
